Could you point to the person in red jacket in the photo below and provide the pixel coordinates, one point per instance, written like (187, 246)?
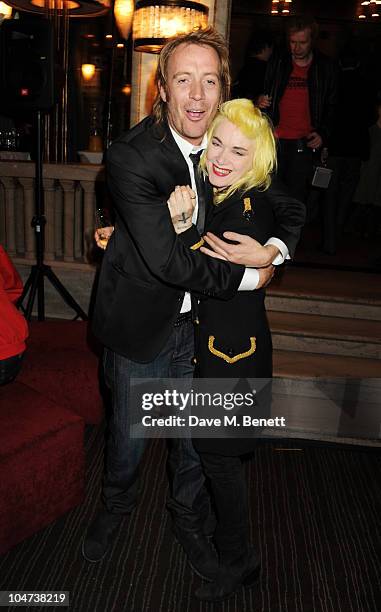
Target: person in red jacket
(13, 326)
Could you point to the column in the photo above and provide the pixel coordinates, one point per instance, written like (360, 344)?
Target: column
(27, 185)
(88, 216)
(68, 219)
(49, 193)
(10, 229)
(78, 223)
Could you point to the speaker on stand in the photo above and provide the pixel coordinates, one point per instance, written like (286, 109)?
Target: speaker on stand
(29, 83)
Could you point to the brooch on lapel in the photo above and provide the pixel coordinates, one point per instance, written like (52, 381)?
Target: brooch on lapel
(247, 210)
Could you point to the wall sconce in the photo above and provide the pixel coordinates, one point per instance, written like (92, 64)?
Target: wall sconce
(155, 22)
(88, 71)
(127, 89)
(123, 13)
(281, 7)
(5, 11)
(369, 9)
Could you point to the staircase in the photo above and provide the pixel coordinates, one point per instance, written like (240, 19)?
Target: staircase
(325, 323)
(326, 330)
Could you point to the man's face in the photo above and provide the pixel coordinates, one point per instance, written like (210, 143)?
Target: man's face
(300, 44)
(193, 90)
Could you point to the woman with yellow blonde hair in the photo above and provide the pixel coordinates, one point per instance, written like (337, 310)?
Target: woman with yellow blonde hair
(261, 158)
(233, 339)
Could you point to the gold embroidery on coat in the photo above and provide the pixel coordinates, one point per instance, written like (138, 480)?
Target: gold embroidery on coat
(247, 204)
(248, 212)
(196, 246)
(237, 357)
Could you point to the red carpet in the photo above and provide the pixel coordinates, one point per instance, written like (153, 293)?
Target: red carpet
(61, 362)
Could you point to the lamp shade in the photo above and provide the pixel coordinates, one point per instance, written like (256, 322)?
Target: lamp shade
(88, 71)
(75, 8)
(126, 89)
(124, 12)
(5, 11)
(156, 22)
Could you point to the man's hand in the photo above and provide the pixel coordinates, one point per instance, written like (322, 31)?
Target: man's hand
(314, 140)
(248, 251)
(265, 276)
(181, 204)
(102, 235)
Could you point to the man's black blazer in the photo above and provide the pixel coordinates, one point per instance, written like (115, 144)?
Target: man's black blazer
(146, 267)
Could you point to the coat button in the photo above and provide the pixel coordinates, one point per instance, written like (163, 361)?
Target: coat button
(196, 321)
(193, 360)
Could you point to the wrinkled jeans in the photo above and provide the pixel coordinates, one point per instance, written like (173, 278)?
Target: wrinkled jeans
(189, 501)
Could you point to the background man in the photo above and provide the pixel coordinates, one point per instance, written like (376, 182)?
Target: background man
(141, 314)
(301, 91)
(251, 78)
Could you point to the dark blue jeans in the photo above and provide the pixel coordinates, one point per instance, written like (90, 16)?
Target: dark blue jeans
(188, 501)
(295, 164)
(228, 483)
(337, 199)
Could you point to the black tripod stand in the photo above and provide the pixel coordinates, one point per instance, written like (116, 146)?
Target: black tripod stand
(35, 281)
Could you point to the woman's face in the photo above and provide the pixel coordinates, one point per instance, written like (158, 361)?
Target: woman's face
(229, 155)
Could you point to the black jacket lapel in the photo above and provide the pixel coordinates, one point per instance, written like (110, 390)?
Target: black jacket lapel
(172, 153)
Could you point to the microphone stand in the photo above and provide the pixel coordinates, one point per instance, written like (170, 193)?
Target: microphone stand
(35, 281)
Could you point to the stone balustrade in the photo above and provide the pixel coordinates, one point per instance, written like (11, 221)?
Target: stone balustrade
(71, 194)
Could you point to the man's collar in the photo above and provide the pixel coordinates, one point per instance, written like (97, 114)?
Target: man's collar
(186, 147)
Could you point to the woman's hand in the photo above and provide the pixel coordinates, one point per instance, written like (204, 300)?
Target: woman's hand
(263, 101)
(102, 235)
(181, 205)
(247, 251)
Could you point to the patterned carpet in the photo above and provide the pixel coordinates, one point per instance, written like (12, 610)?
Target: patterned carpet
(315, 518)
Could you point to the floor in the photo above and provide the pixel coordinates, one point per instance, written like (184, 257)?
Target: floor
(354, 250)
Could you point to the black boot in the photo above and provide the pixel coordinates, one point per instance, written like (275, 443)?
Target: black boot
(234, 572)
(201, 556)
(100, 535)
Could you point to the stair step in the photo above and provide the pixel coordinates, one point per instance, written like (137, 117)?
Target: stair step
(298, 364)
(329, 335)
(326, 292)
(322, 307)
(332, 284)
